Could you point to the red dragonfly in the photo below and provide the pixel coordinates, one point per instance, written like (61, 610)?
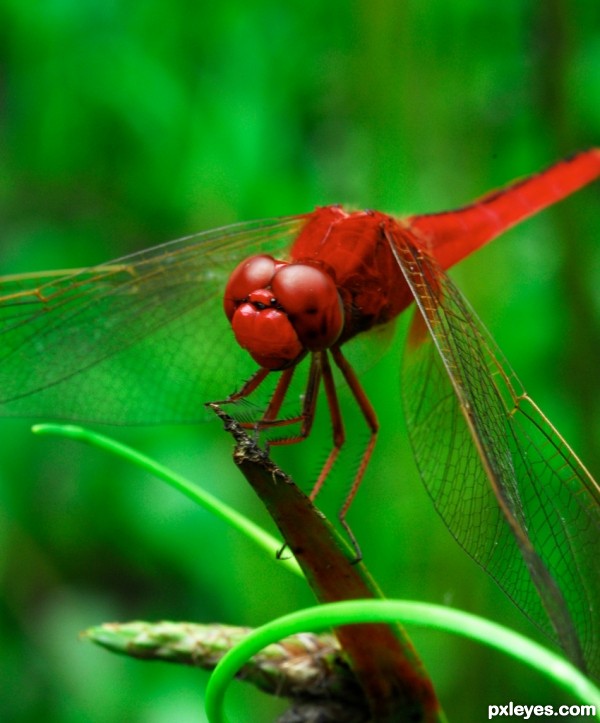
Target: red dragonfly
(141, 340)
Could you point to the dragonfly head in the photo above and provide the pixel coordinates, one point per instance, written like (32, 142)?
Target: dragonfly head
(280, 311)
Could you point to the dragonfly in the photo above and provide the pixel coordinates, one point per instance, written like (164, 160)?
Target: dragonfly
(151, 337)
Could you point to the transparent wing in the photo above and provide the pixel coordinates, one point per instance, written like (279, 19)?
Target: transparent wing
(141, 340)
(508, 487)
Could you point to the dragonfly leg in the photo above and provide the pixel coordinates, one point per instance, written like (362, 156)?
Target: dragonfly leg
(309, 404)
(278, 397)
(371, 419)
(247, 388)
(337, 425)
(269, 417)
(339, 437)
(308, 409)
(321, 369)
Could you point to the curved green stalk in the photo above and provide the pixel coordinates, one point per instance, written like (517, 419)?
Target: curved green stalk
(260, 538)
(438, 617)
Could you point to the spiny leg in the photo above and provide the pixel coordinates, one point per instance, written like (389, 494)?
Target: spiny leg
(279, 395)
(307, 415)
(337, 425)
(320, 368)
(308, 409)
(269, 416)
(371, 419)
(247, 388)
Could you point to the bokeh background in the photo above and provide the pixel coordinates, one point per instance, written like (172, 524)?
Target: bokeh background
(123, 125)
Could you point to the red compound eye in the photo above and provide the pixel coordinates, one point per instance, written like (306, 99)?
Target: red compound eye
(252, 274)
(267, 335)
(259, 324)
(310, 298)
(279, 311)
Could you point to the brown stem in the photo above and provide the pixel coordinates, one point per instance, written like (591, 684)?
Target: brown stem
(386, 665)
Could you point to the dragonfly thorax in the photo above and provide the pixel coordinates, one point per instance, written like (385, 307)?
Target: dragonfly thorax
(279, 311)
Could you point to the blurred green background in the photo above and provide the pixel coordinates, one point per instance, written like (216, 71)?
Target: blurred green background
(126, 124)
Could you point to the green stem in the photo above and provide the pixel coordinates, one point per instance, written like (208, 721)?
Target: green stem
(318, 618)
(261, 538)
